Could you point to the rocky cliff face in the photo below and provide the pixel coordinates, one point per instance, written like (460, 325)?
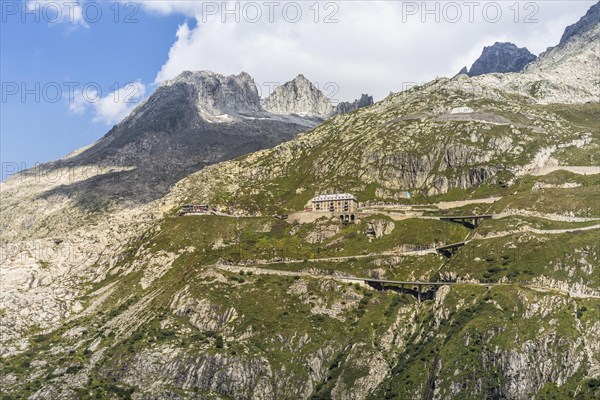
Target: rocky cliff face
(500, 57)
(566, 73)
(584, 25)
(346, 107)
(220, 98)
(300, 97)
(575, 51)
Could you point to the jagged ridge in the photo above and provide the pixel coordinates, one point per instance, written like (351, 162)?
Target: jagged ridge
(502, 58)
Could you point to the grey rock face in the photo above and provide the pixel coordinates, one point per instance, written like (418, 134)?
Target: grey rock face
(463, 71)
(346, 107)
(194, 120)
(501, 57)
(587, 22)
(217, 95)
(566, 73)
(298, 96)
(379, 228)
(575, 37)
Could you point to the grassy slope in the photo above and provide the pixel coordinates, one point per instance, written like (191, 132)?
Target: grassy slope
(267, 308)
(358, 152)
(444, 342)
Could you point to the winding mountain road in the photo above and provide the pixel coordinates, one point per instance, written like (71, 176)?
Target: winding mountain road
(363, 281)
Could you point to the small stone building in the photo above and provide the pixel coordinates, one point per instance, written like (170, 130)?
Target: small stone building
(342, 202)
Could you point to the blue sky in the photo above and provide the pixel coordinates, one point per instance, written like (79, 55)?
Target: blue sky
(363, 47)
(105, 53)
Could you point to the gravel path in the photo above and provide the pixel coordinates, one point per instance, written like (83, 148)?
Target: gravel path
(445, 205)
(576, 170)
(467, 239)
(538, 231)
(535, 214)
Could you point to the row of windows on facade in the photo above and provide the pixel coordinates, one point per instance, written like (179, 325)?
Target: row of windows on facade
(345, 205)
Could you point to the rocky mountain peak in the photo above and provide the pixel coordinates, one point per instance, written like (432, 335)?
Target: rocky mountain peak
(501, 57)
(585, 24)
(298, 96)
(570, 69)
(565, 73)
(345, 106)
(219, 96)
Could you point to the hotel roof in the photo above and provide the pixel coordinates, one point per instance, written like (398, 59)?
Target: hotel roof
(337, 196)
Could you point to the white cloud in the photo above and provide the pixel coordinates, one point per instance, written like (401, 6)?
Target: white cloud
(58, 12)
(109, 109)
(78, 103)
(115, 106)
(375, 47)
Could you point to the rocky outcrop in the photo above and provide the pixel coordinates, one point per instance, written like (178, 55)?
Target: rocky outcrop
(463, 71)
(403, 171)
(218, 97)
(566, 73)
(236, 377)
(500, 57)
(346, 107)
(300, 97)
(574, 43)
(377, 229)
(588, 22)
(575, 50)
(201, 313)
(361, 358)
(321, 232)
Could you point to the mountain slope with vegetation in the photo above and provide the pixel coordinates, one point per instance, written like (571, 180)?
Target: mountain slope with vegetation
(140, 302)
(408, 142)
